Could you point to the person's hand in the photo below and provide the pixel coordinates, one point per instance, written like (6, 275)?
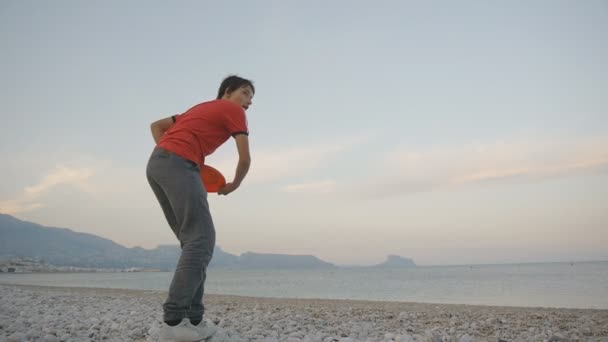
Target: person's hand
(226, 189)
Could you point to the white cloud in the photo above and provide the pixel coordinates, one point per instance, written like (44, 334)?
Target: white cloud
(19, 205)
(409, 170)
(29, 199)
(62, 175)
(315, 188)
(271, 164)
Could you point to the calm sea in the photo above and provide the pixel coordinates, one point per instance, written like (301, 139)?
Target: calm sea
(576, 285)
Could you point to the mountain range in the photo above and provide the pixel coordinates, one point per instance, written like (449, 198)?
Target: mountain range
(65, 247)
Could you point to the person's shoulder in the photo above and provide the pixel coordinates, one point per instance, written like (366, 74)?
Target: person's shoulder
(213, 105)
(228, 105)
(218, 107)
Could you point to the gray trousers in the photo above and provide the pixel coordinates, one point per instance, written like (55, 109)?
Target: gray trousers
(178, 187)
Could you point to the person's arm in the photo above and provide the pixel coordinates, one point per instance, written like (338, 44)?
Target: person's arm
(242, 146)
(159, 127)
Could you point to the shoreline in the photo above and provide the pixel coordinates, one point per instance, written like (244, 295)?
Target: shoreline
(558, 287)
(337, 300)
(278, 300)
(35, 312)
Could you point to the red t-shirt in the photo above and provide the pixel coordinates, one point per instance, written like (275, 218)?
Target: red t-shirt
(203, 128)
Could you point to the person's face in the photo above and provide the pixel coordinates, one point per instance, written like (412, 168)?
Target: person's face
(241, 96)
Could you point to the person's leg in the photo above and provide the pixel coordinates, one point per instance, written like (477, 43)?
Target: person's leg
(180, 181)
(197, 308)
(164, 204)
(197, 235)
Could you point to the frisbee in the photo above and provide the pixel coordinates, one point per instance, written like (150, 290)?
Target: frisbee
(212, 178)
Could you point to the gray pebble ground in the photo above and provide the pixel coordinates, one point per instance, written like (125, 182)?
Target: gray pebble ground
(29, 313)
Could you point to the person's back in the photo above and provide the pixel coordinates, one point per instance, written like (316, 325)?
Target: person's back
(203, 128)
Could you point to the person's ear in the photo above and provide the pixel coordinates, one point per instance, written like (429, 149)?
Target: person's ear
(227, 92)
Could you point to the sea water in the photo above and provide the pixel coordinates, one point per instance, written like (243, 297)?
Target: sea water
(568, 285)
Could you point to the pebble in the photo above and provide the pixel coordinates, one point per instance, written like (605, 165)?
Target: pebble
(71, 315)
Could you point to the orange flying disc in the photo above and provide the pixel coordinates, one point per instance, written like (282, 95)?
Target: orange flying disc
(212, 178)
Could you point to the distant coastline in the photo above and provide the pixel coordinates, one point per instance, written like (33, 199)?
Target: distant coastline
(30, 247)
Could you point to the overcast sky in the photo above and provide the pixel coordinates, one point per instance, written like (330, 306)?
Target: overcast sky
(451, 132)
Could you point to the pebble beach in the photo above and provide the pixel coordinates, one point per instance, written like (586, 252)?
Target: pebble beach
(36, 313)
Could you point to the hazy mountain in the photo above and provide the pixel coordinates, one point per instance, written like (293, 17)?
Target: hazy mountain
(395, 261)
(281, 261)
(65, 247)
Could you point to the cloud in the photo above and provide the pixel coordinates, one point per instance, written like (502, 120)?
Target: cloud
(20, 205)
(61, 175)
(272, 164)
(410, 170)
(29, 199)
(315, 188)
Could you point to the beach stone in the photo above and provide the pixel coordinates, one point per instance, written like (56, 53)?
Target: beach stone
(50, 338)
(417, 337)
(219, 336)
(16, 337)
(405, 338)
(270, 339)
(49, 330)
(311, 339)
(136, 333)
(466, 338)
(32, 334)
(586, 331)
(104, 330)
(347, 339)
(105, 316)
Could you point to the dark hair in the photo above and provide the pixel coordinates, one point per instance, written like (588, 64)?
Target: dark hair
(232, 83)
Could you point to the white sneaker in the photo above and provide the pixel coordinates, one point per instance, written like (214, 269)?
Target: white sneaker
(206, 329)
(183, 332)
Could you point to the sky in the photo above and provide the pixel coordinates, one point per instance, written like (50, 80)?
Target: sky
(450, 132)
